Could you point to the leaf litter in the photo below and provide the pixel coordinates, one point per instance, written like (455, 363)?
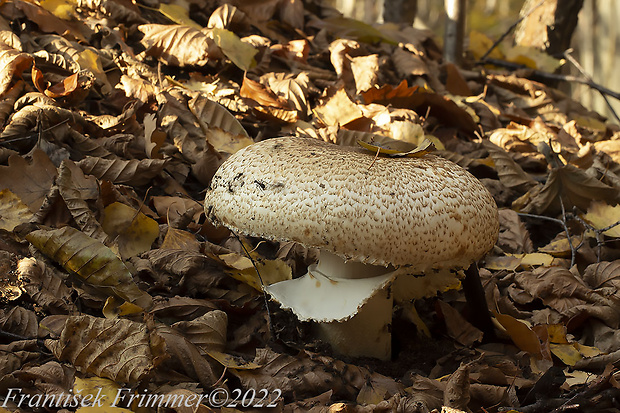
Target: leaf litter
(115, 115)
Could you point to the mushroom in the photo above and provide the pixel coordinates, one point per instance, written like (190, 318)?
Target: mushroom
(377, 221)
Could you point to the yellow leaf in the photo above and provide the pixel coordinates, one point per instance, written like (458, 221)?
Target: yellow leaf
(242, 269)
(133, 231)
(239, 52)
(88, 59)
(600, 215)
(536, 259)
(566, 352)
(12, 211)
(479, 44)
(95, 263)
(178, 14)
(588, 351)
(227, 142)
(533, 58)
(422, 149)
(63, 9)
(104, 389)
(521, 334)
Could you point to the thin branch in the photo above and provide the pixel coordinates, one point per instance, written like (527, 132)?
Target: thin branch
(552, 76)
(510, 30)
(586, 76)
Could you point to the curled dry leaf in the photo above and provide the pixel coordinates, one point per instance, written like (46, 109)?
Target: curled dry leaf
(92, 261)
(75, 188)
(123, 351)
(513, 236)
(178, 45)
(121, 171)
(13, 62)
(45, 287)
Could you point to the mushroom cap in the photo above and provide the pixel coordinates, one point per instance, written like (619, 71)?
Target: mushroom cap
(424, 212)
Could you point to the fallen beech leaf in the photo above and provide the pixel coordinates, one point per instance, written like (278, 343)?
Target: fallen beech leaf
(601, 215)
(121, 350)
(177, 239)
(207, 332)
(95, 263)
(522, 335)
(260, 94)
(185, 357)
(29, 181)
(178, 45)
(239, 52)
(242, 268)
(63, 9)
(12, 63)
(574, 186)
(13, 211)
(132, 230)
(510, 173)
(121, 171)
(45, 287)
(459, 328)
(338, 110)
(75, 189)
(178, 14)
(105, 389)
(213, 115)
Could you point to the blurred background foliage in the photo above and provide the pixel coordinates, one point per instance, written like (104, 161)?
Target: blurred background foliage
(596, 41)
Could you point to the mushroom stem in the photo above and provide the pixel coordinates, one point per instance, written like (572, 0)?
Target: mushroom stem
(349, 302)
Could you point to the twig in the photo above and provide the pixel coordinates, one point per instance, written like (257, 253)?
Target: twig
(262, 284)
(552, 76)
(586, 76)
(510, 29)
(562, 222)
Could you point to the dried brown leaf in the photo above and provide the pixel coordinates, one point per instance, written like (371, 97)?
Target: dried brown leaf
(19, 321)
(510, 173)
(123, 351)
(181, 308)
(574, 187)
(513, 236)
(121, 171)
(13, 211)
(13, 63)
(207, 332)
(75, 189)
(92, 261)
(45, 287)
(30, 181)
(178, 45)
(131, 230)
(185, 357)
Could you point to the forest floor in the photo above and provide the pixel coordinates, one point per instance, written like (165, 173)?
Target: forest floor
(115, 116)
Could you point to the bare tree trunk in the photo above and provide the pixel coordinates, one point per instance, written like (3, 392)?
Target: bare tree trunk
(400, 11)
(550, 25)
(455, 30)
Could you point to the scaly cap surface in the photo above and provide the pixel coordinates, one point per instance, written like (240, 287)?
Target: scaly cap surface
(423, 212)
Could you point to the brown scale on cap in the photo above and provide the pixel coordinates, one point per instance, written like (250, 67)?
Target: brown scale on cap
(422, 212)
